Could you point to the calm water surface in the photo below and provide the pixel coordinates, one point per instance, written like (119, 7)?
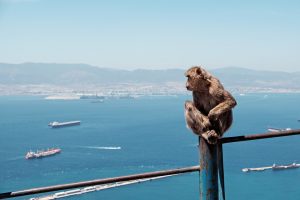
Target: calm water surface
(146, 134)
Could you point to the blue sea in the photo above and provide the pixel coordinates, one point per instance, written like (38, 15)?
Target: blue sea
(128, 136)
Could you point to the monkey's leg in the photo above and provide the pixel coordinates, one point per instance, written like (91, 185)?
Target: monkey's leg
(195, 120)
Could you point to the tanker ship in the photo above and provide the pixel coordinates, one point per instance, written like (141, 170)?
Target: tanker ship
(42, 153)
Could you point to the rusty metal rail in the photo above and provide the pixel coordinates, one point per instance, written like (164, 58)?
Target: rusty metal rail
(259, 136)
(98, 182)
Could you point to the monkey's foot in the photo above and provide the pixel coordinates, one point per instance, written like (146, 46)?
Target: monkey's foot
(210, 136)
(195, 120)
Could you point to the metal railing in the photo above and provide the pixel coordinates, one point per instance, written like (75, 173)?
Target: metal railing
(98, 182)
(211, 162)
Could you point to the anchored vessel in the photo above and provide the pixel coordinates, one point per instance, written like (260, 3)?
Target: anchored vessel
(42, 153)
(63, 124)
(258, 169)
(280, 167)
(273, 167)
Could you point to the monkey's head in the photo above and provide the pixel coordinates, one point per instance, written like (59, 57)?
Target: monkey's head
(198, 79)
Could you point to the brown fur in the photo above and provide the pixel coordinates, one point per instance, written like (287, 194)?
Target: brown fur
(210, 114)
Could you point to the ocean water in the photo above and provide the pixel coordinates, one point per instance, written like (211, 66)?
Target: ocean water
(127, 136)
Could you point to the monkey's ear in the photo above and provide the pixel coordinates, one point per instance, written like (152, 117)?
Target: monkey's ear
(199, 70)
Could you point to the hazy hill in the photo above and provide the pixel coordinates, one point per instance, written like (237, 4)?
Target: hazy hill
(235, 76)
(70, 74)
(41, 73)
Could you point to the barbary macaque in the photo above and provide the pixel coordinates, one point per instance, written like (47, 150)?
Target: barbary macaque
(210, 113)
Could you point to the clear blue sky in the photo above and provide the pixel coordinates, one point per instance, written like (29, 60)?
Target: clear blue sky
(129, 34)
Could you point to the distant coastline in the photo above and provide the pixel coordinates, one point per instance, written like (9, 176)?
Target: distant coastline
(54, 79)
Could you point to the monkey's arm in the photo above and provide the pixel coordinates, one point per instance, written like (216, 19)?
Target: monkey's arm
(227, 104)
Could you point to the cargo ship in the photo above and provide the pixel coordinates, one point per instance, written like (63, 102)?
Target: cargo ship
(63, 124)
(42, 153)
(280, 167)
(257, 169)
(273, 167)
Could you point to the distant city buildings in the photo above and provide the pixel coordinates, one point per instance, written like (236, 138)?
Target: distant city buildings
(121, 90)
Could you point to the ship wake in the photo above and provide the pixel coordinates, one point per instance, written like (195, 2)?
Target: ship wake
(102, 148)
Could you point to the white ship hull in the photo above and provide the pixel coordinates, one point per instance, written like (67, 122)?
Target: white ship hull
(41, 154)
(63, 124)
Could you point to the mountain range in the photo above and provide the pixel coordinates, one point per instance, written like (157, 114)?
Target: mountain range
(74, 74)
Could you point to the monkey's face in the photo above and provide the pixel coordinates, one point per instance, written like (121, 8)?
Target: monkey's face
(196, 80)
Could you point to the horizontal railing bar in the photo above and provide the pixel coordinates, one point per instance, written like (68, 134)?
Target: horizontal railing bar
(259, 136)
(99, 182)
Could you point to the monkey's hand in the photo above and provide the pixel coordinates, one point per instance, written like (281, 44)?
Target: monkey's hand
(227, 104)
(213, 116)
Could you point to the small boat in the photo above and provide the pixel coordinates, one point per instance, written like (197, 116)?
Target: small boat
(63, 124)
(42, 153)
